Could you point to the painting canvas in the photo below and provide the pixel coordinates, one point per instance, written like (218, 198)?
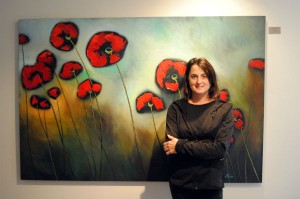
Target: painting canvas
(93, 93)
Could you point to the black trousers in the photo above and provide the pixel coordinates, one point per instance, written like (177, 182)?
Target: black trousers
(182, 193)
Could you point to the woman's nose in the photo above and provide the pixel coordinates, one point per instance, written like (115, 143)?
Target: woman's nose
(199, 80)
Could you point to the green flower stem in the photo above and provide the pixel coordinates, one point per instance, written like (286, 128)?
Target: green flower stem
(249, 114)
(58, 110)
(27, 117)
(159, 143)
(49, 145)
(249, 156)
(132, 121)
(101, 143)
(156, 133)
(59, 128)
(175, 77)
(93, 114)
(89, 77)
(55, 117)
(73, 122)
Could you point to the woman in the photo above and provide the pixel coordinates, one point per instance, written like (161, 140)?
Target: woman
(199, 128)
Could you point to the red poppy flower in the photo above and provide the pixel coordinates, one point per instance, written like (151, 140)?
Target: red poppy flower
(88, 88)
(239, 124)
(105, 48)
(62, 34)
(54, 92)
(224, 95)
(39, 102)
(148, 99)
(35, 76)
(237, 113)
(40, 73)
(70, 70)
(238, 120)
(258, 63)
(170, 74)
(47, 58)
(23, 39)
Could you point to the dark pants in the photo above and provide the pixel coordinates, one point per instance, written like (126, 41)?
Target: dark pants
(181, 193)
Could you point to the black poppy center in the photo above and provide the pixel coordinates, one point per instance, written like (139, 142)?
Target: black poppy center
(174, 77)
(67, 37)
(106, 49)
(109, 50)
(150, 105)
(172, 74)
(34, 74)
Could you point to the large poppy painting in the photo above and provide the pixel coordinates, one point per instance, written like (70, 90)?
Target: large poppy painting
(93, 93)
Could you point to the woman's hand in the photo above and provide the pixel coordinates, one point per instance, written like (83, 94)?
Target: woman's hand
(169, 146)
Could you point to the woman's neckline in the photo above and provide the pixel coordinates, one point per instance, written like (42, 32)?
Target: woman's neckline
(201, 103)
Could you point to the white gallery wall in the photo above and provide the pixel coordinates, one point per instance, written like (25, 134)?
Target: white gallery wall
(281, 162)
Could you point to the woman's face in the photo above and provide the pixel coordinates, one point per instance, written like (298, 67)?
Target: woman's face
(198, 81)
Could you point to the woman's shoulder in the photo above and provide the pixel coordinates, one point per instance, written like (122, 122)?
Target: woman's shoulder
(181, 102)
(178, 104)
(222, 105)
